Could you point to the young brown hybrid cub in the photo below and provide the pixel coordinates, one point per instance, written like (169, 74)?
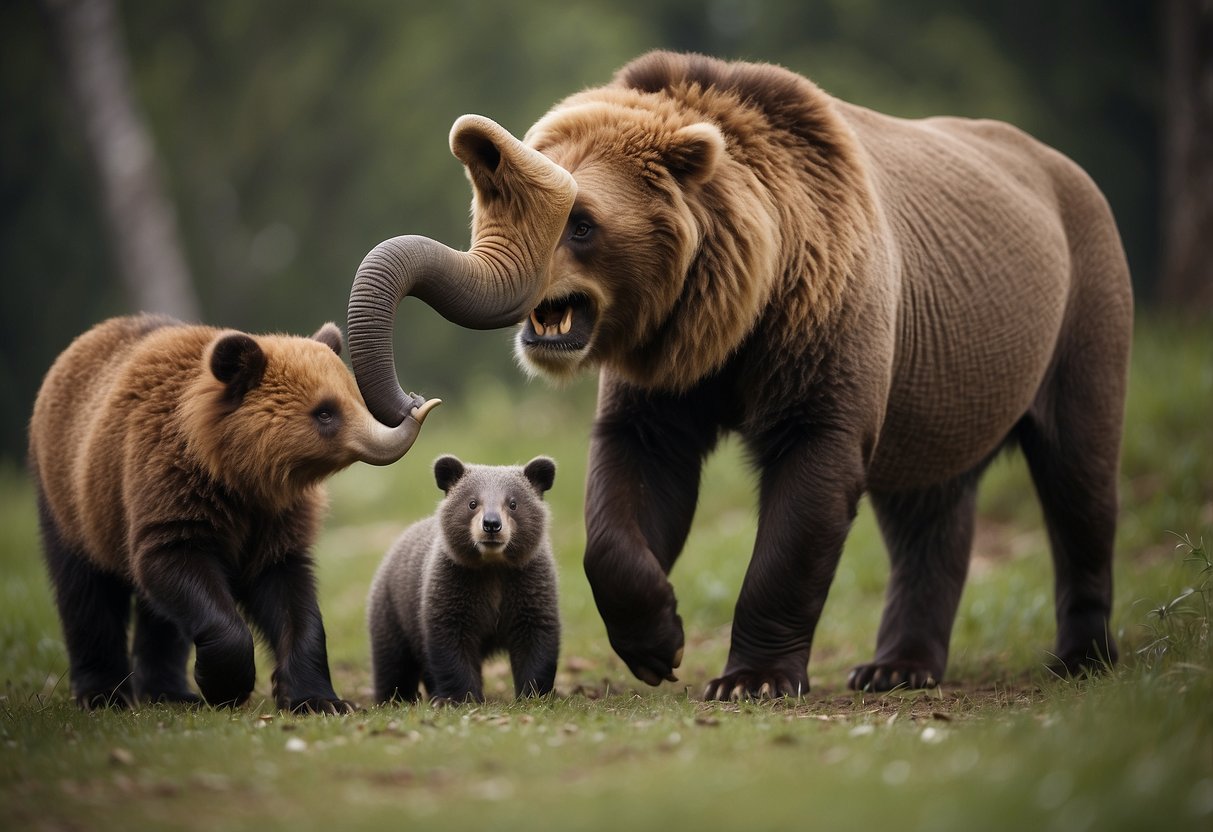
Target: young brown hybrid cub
(474, 578)
(183, 466)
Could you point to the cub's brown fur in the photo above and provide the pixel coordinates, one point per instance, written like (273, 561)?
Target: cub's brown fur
(476, 577)
(181, 464)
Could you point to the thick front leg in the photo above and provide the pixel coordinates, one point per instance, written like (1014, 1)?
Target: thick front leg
(809, 493)
(646, 457)
(533, 639)
(282, 602)
(161, 652)
(185, 584)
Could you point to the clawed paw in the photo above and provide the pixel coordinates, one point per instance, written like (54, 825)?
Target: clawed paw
(654, 660)
(318, 705)
(879, 678)
(745, 684)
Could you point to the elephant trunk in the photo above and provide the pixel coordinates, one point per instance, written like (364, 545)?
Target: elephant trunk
(521, 201)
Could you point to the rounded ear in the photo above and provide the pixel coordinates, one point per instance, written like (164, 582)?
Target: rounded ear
(447, 471)
(541, 471)
(237, 361)
(330, 336)
(694, 152)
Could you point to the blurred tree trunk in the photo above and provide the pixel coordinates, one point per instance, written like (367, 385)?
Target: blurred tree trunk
(141, 219)
(1187, 268)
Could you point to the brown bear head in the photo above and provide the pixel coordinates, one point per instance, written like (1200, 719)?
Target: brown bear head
(271, 415)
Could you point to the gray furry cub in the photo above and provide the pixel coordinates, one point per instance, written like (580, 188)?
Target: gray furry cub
(474, 578)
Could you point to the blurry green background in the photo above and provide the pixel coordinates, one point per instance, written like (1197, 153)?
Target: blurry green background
(294, 137)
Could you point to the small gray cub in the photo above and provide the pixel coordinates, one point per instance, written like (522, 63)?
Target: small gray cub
(474, 578)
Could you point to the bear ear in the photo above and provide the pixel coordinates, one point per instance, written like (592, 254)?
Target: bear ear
(694, 153)
(447, 471)
(330, 336)
(541, 471)
(237, 361)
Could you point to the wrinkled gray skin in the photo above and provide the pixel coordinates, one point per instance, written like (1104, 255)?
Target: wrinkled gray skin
(920, 294)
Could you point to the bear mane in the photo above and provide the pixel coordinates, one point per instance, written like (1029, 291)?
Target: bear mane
(770, 238)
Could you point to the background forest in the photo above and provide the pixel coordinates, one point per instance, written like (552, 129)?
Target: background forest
(291, 138)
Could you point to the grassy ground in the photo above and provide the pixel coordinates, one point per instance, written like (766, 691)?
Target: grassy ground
(1000, 746)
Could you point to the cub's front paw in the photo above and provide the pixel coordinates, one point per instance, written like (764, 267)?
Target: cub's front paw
(878, 678)
(223, 667)
(755, 684)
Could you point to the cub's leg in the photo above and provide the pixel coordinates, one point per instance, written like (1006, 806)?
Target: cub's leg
(94, 607)
(453, 671)
(395, 668)
(1071, 439)
(929, 535)
(282, 602)
(183, 582)
(161, 652)
(533, 641)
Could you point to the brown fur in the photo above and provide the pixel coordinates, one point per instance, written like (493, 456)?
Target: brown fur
(198, 495)
(875, 304)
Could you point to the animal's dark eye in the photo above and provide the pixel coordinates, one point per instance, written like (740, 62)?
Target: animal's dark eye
(581, 231)
(472, 505)
(513, 505)
(327, 415)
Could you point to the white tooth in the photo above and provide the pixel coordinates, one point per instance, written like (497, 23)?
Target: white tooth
(535, 323)
(566, 323)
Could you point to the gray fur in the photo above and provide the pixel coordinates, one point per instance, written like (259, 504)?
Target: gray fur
(450, 591)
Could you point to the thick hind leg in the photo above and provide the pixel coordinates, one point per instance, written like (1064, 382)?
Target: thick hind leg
(94, 607)
(1071, 440)
(161, 652)
(929, 534)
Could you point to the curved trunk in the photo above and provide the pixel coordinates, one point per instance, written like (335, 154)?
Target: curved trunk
(521, 200)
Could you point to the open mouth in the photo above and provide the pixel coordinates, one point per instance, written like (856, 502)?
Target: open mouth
(563, 324)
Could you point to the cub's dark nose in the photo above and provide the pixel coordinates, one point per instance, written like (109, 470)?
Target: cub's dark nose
(492, 522)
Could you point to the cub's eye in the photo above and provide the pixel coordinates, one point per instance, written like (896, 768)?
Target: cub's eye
(513, 505)
(472, 505)
(323, 416)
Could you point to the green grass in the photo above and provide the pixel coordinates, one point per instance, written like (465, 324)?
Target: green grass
(1001, 746)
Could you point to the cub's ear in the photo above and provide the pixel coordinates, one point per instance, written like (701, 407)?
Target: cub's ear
(694, 153)
(447, 471)
(541, 471)
(330, 336)
(237, 361)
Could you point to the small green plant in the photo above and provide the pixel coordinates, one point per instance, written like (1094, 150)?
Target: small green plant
(1177, 628)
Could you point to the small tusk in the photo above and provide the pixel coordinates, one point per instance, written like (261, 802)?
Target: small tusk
(539, 328)
(566, 323)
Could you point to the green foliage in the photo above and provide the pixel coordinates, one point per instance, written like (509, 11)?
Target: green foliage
(1003, 745)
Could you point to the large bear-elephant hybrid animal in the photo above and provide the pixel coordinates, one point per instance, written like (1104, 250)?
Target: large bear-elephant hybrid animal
(873, 304)
(182, 465)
